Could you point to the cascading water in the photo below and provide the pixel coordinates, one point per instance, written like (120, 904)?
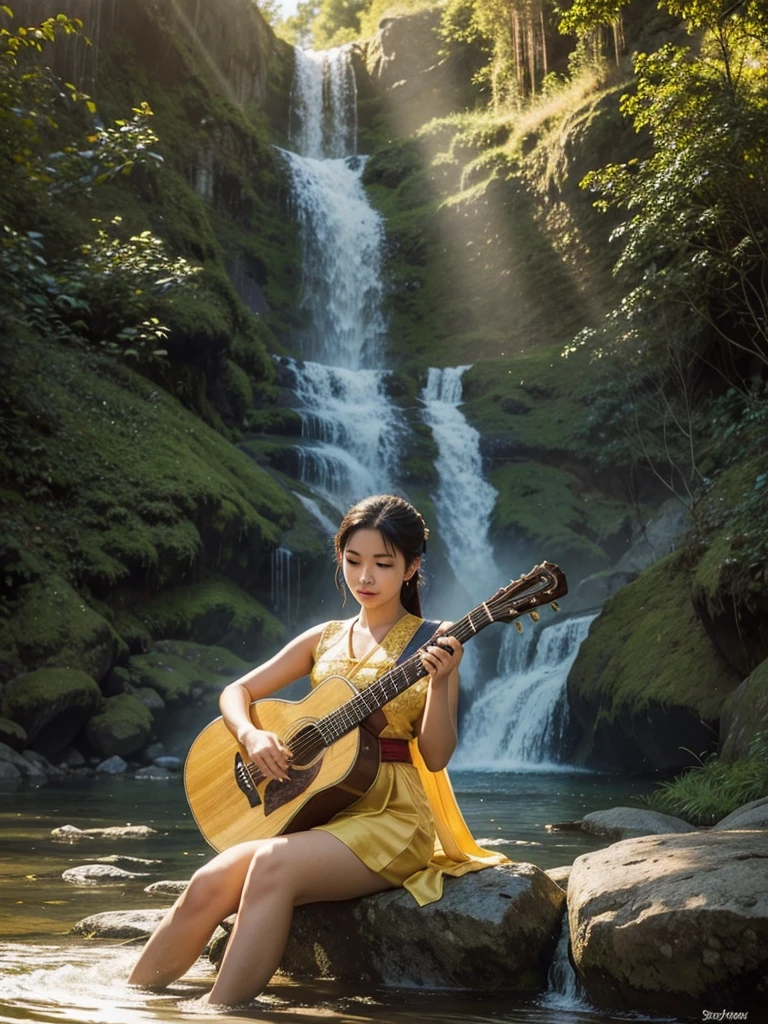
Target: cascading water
(349, 427)
(464, 499)
(518, 721)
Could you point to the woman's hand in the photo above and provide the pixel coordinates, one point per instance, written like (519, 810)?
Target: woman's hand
(268, 752)
(442, 657)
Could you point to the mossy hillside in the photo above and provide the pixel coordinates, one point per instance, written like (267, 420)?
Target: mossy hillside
(648, 647)
(121, 491)
(51, 704)
(545, 509)
(218, 200)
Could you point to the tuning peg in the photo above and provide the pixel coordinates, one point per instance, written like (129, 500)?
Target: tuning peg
(518, 626)
(554, 606)
(534, 616)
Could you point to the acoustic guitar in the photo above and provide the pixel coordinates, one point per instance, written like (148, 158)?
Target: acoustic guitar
(332, 736)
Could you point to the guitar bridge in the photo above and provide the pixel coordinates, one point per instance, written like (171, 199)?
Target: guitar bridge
(245, 782)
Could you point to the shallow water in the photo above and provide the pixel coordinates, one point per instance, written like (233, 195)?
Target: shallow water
(48, 975)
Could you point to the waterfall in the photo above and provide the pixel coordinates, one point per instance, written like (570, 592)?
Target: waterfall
(286, 583)
(564, 989)
(350, 429)
(464, 500)
(518, 721)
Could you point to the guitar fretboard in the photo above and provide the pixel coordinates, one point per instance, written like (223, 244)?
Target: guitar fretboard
(395, 681)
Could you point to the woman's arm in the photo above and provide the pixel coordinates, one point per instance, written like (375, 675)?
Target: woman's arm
(291, 663)
(437, 726)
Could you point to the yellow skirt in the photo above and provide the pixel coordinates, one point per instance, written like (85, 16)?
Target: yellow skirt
(391, 829)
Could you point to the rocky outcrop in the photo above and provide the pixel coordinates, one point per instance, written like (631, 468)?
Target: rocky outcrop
(747, 817)
(403, 59)
(671, 924)
(745, 714)
(648, 681)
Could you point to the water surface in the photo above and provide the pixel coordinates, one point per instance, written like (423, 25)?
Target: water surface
(48, 975)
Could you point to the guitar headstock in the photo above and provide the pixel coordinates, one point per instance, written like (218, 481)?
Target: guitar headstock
(542, 585)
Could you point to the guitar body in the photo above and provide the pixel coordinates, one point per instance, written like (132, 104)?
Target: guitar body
(230, 807)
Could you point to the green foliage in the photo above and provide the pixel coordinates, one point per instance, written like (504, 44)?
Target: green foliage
(696, 230)
(706, 792)
(515, 34)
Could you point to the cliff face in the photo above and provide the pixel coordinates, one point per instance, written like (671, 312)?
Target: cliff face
(130, 515)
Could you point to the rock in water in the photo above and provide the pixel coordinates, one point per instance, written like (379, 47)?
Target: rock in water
(627, 822)
(493, 929)
(671, 924)
(95, 874)
(120, 924)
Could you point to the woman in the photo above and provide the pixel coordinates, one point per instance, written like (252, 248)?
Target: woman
(384, 840)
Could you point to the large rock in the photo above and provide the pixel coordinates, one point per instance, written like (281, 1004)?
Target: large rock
(745, 714)
(748, 817)
(627, 822)
(671, 924)
(121, 726)
(52, 704)
(493, 929)
(120, 924)
(648, 682)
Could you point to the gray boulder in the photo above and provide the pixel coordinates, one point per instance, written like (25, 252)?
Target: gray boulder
(114, 765)
(120, 924)
(751, 816)
(627, 822)
(493, 929)
(670, 924)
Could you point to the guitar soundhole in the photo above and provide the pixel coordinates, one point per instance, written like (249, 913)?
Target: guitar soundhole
(306, 745)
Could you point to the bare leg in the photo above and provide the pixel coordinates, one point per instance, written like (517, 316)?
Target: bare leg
(305, 867)
(213, 894)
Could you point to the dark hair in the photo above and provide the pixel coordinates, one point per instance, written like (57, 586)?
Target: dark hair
(401, 527)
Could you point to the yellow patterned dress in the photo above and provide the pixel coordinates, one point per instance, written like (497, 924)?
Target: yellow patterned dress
(407, 827)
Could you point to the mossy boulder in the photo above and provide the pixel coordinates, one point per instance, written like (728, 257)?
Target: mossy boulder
(745, 714)
(174, 670)
(121, 726)
(12, 734)
(52, 705)
(54, 625)
(213, 611)
(648, 681)
(730, 579)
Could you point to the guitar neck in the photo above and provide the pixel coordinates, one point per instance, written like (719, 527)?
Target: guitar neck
(394, 682)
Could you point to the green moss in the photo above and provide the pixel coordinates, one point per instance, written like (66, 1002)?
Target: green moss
(121, 726)
(13, 734)
(51, 704)
(551, 507)
(213, 611)
(732, 528)
(648, 647)
(177, 670)
(52, 624)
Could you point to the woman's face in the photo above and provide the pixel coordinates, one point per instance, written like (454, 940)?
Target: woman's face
(373, 572)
